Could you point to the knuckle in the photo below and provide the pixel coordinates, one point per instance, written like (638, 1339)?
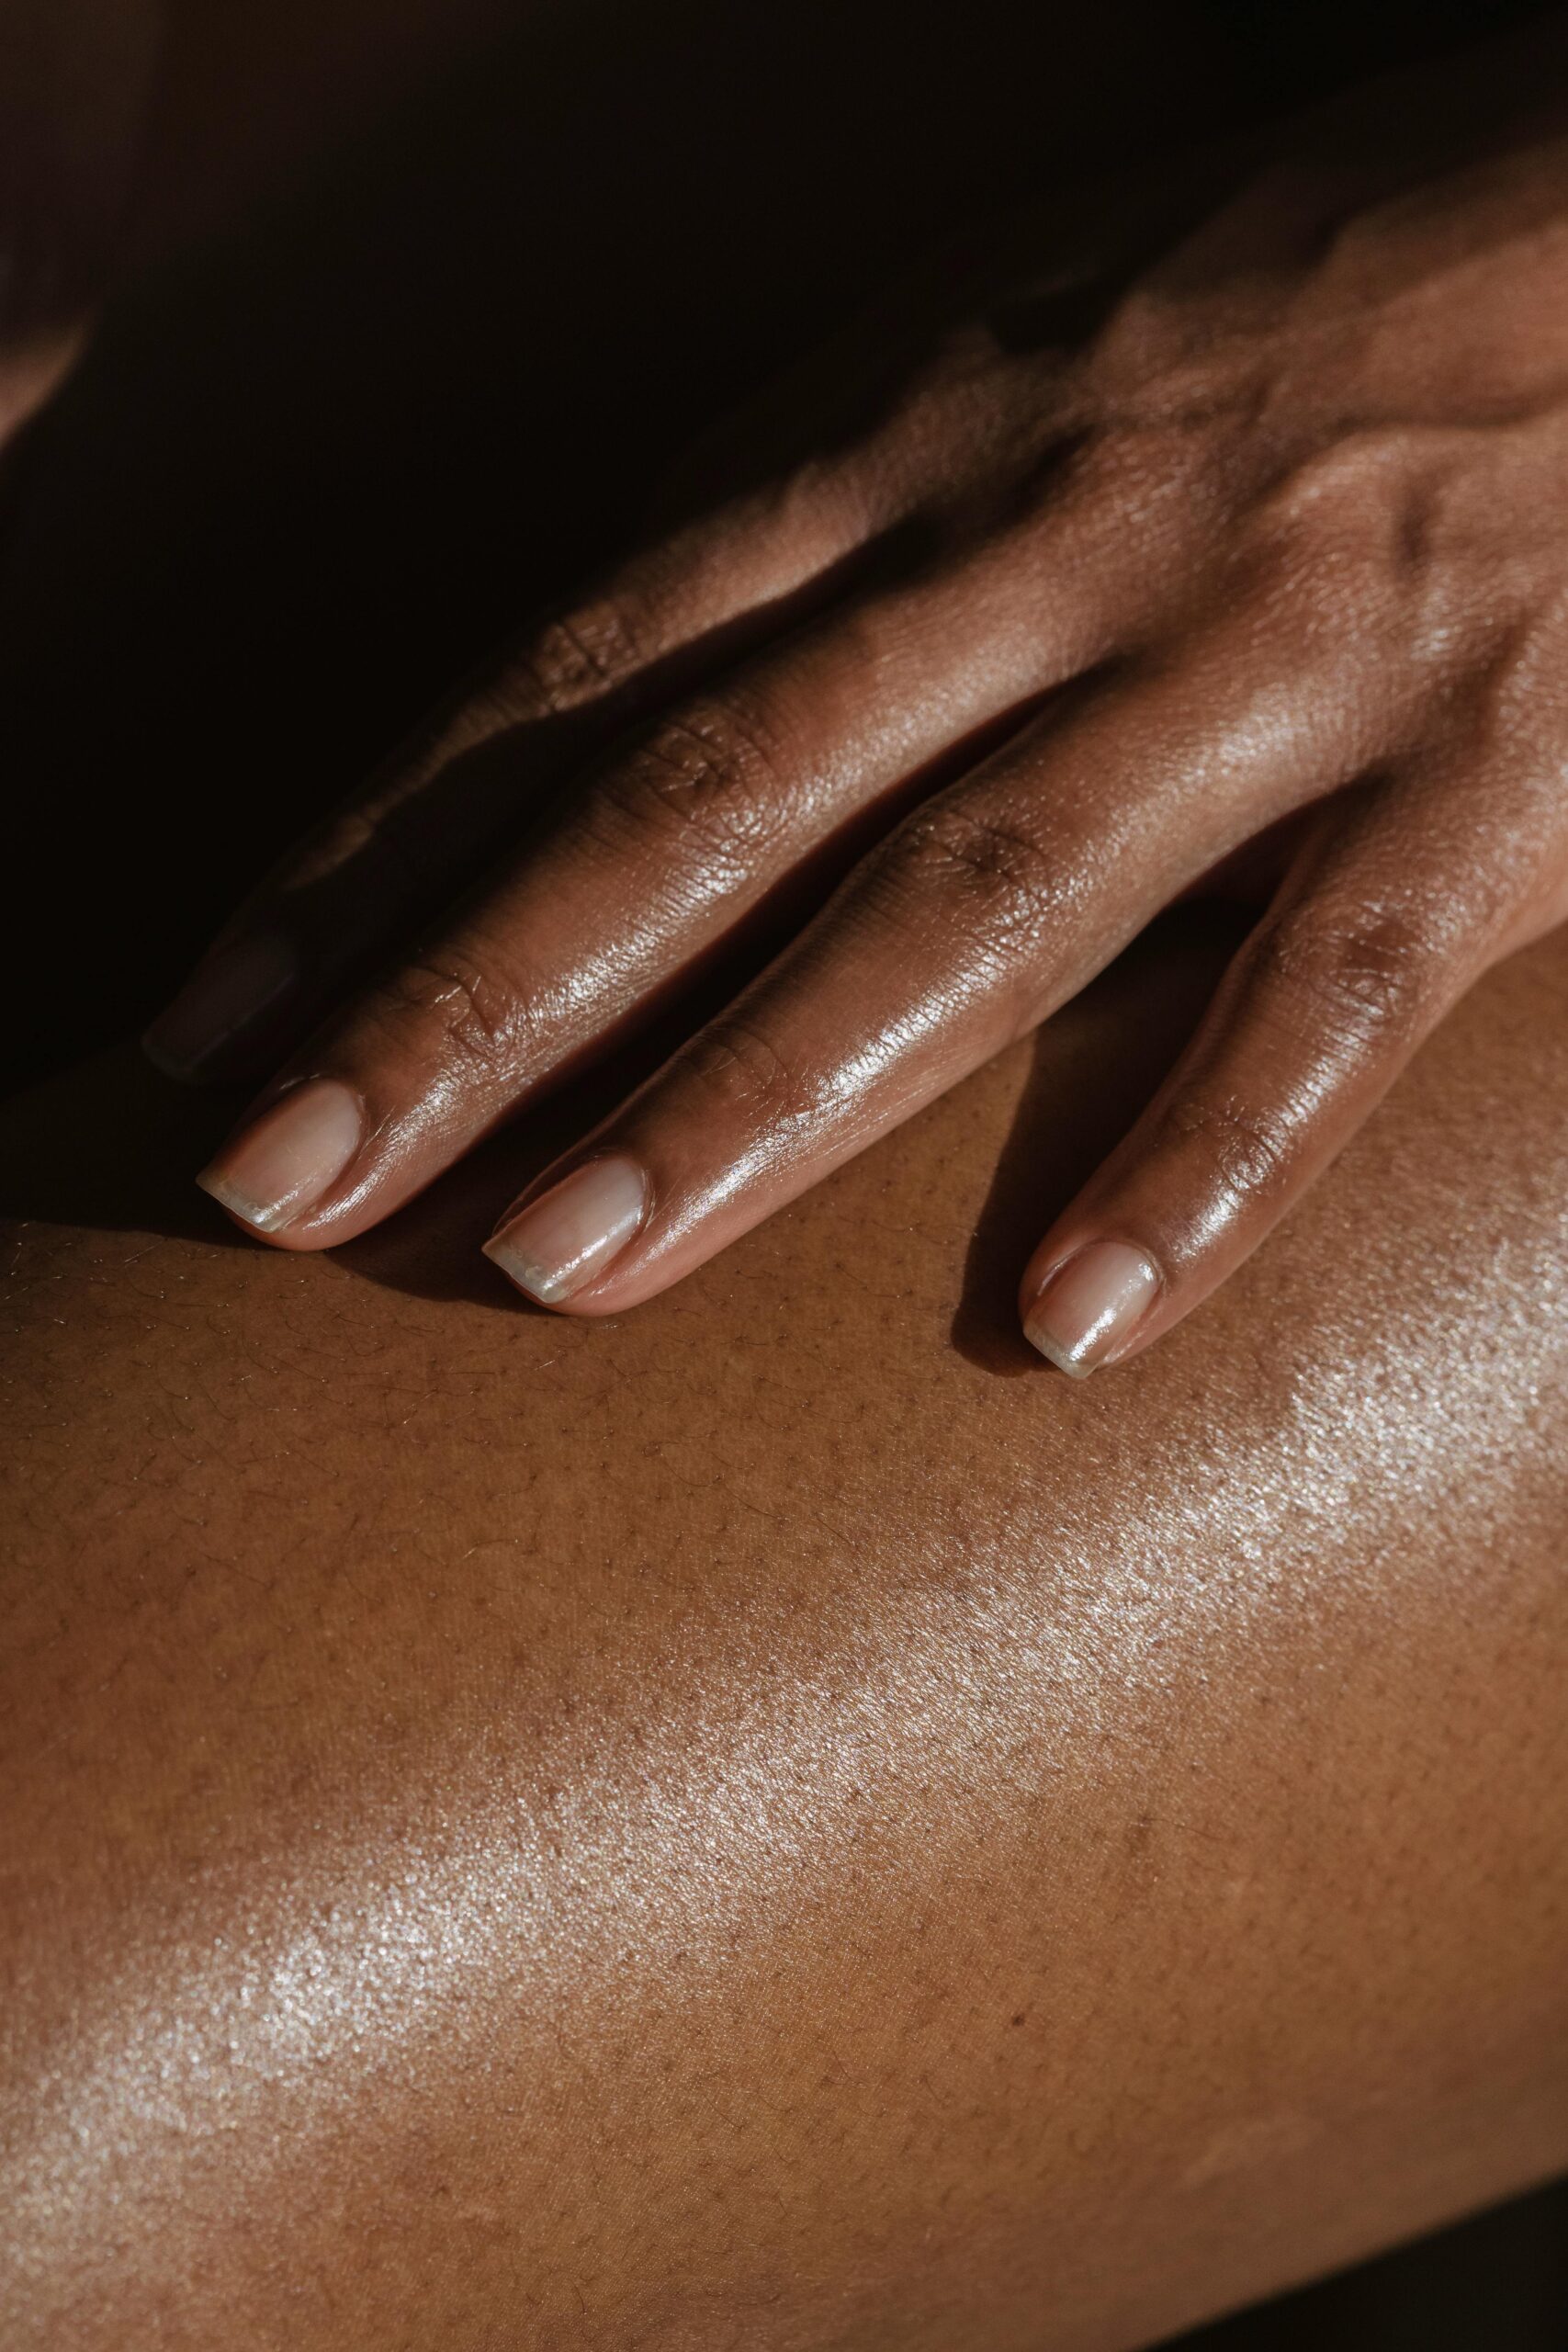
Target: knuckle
(710, 775)
(994, 884)
(746, 1077)
(1376, 514)
(1248, 1150)
(1360, 472)
(574, 659)
(1364, 977)
(463, 1013)
(1339, 515)
(362, 840)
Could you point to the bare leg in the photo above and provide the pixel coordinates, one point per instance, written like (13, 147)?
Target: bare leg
(757, 1825)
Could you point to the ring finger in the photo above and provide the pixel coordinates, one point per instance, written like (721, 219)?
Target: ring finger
(672, 843)
(978, 917)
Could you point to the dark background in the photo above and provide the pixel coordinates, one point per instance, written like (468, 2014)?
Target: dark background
(1498, 2283)
(309, 472)
(315, 465)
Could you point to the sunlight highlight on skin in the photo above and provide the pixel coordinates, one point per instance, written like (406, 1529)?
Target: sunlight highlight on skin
(708, 1831)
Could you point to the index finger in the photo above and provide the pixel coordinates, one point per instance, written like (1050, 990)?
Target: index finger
(412, 839)
(980, 916)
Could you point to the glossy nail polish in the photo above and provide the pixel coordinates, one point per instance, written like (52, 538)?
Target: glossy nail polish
(279, 1166)
(231, 987)
(559, 1242)
(1091, 1306)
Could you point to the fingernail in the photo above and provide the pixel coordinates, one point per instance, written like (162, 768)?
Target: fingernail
(283, 1163)
(228, 989)
(1090, 1306)
(561, 1240)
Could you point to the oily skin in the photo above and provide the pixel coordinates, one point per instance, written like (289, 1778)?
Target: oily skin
(759, 1823)
(1268, 556)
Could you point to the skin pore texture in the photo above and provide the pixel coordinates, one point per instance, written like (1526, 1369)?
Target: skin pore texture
(772, 1821)
(778, 1820)
(1066, 607)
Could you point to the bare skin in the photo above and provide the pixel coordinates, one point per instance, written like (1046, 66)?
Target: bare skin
(752, 1826)
(777, 1821)
(1269, 559)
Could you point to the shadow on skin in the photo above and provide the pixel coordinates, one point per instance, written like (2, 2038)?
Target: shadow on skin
(1150, 997)
(116, 1153)
(120, 1154)
(207, 533)
(1155, 993)
(431, 1248)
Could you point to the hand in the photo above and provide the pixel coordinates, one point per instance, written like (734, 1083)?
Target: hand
(1280, 544)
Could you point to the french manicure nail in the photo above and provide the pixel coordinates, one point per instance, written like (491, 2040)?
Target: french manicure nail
(228, 989)
(1090, 1306)
(561, 1240)
(282, 1163)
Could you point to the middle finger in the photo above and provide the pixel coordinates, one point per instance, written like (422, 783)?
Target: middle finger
(675, 842)
(978, 917)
